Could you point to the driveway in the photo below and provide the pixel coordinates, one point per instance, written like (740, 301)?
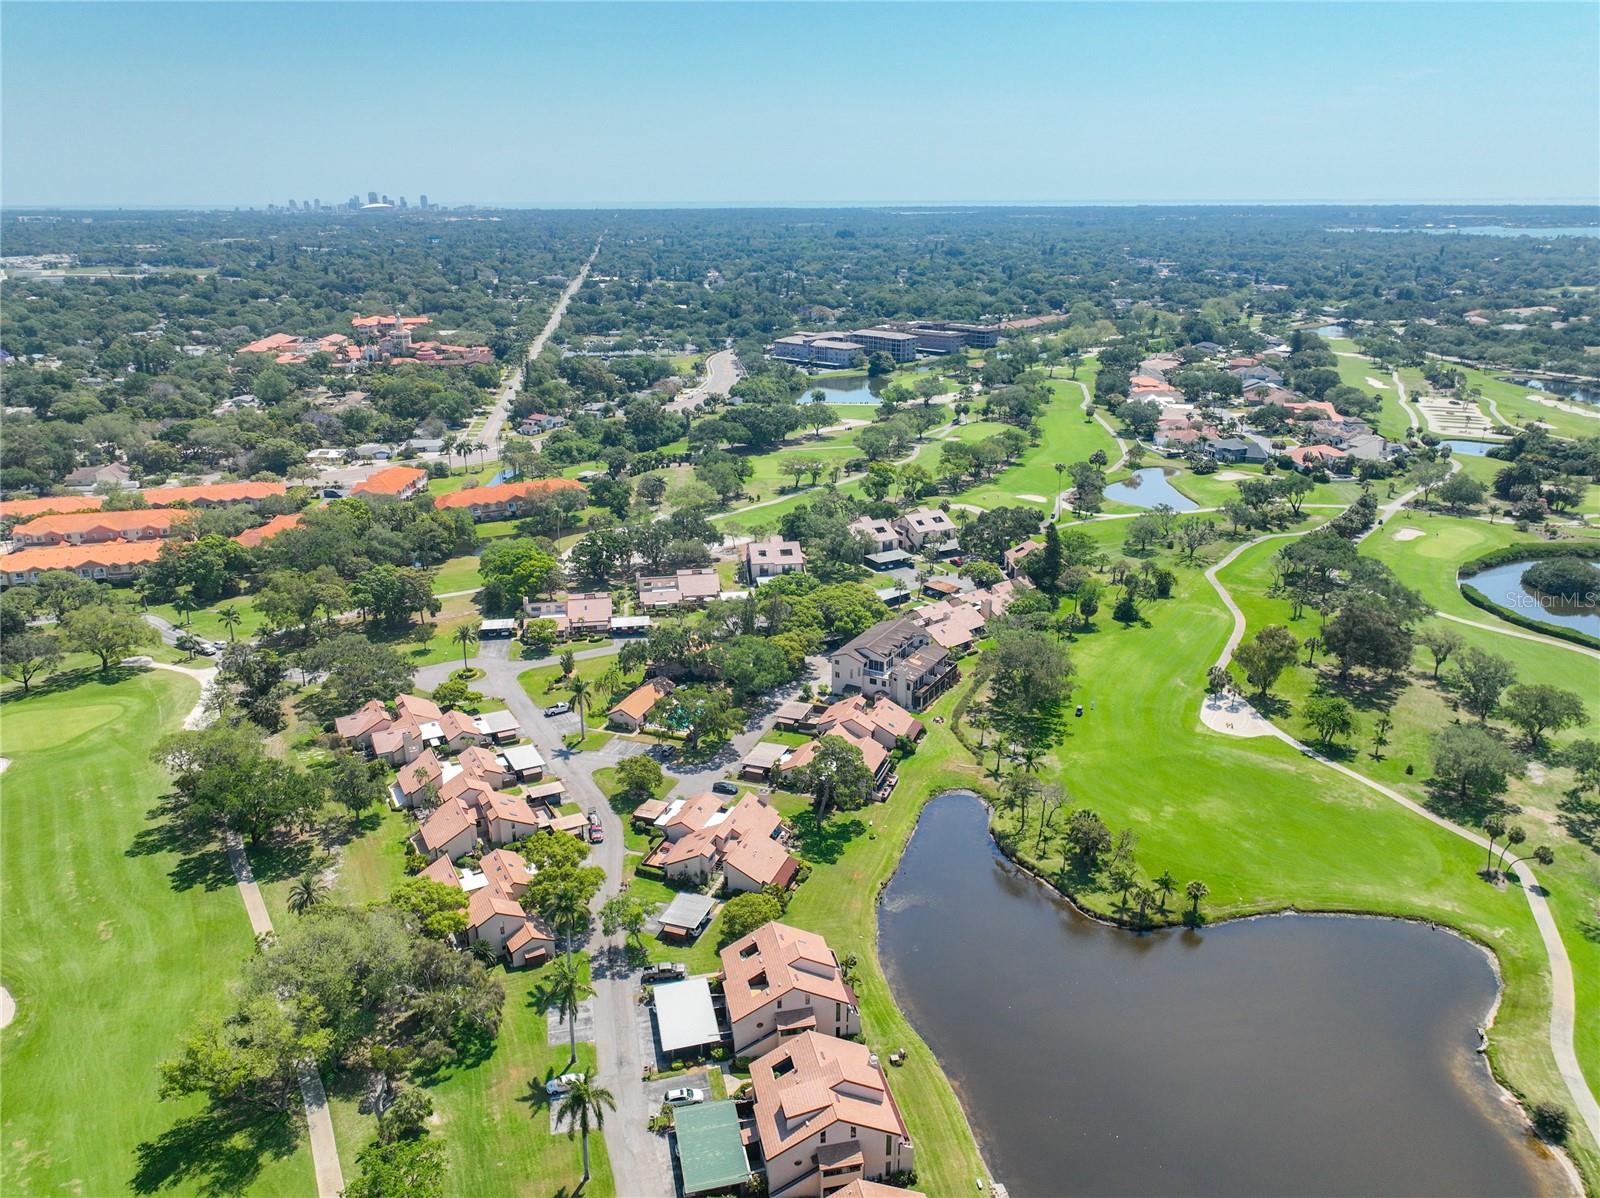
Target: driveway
(722, 372)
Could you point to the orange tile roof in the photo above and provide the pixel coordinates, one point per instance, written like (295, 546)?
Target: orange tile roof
(775, 959)
(861, 1188)
(831, 1081)
(22, 509)
(65, 524)
(251, 537)
(76, 557)
(389, 481)
(213, 493)
(449, 820)
(501, 492)
(381, 321)
(363, 719)
(639, 703)
(271, 343)
(764, 862)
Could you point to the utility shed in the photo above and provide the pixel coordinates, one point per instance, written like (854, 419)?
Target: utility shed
(711, 1151)
(687, 914)
(685, 1017)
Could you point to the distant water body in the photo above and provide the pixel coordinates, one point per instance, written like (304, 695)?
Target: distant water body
(1491, 230)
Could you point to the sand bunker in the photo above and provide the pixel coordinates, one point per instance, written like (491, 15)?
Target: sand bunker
(1378, 383)
(1033, 498)
(1229, 476)
(1409, 534)
(8, 1008)
(1232, 716)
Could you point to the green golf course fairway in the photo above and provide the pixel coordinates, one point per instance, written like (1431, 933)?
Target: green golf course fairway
(114, 944)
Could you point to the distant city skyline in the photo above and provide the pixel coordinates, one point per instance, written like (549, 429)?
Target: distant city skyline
(687, 104)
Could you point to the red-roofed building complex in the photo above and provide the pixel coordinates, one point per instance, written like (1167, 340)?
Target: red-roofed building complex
(504, 501)
(400, 481)
(780, 981)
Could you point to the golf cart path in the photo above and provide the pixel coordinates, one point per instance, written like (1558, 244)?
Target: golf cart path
(319, 1121)
(1563, 1003)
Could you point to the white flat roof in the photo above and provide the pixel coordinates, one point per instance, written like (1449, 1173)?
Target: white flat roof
(522, 758)
(491, 722)
(497, 626)
(685, 1017)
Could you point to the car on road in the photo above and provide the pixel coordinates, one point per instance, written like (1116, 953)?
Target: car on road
(204, 648)
(558, 709)
(666, 971)
(558, 1086)
(725, 788)
(685, 1096)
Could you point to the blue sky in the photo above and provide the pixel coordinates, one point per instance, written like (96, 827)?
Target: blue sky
(561, 104)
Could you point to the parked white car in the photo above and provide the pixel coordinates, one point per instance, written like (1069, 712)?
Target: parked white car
(558, 709)
(558, 1086)
(685, 1096)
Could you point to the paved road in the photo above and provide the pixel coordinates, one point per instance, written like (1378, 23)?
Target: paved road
(722, 372)
(489, 434)
(1563, 1003)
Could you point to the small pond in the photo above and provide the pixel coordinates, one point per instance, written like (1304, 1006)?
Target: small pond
(1563, 389)
(1470, 449)
(1330, 330)
(1292, 1055)
(1503, 584)
(846, 389)
(1148, 488)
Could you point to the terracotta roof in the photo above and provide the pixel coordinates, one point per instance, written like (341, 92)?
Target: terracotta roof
(872, 753)
(251, 537)
(271, 343)
(119, 523)
(213, 493)
(694, 813)
(474, 759)
(442, 871)
(447, 821)
(488, 902)
(458, 723)
(764, 862)
(774, 960)
(506, 871)
(417, 707)
(390, 481)
(532, 929)
(638, 704)
(25, 509)
(829, 1081)
(369, 715)
(861, 1188)
(383, 322)
(409, 780)
(78, 557)
(511, 808)
(501, 492)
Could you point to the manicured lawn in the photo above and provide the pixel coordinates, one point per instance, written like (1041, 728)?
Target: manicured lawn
(1390, 420)
(1515, 407)
(204, 622)
(1066, 436)
(116, 938)
(456, 574)
(633, 839)
(460, 476)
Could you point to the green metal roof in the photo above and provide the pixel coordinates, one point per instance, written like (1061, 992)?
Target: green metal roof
(710, 1147)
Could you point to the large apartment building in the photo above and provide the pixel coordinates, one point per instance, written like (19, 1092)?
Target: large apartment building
(896, 658)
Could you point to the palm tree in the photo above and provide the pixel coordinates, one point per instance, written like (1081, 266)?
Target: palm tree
(567, 991)
(466, 636)
(1495, 827)
(1196, 891)
(229, 619)
(1060, 469)
(185, 603)
(579, 690)
(583, 1108)
(1166, 884)
(309, 890)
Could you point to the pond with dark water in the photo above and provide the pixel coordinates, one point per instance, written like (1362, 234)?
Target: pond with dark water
(846, 389)
(1503, 584)
(1289, 1055)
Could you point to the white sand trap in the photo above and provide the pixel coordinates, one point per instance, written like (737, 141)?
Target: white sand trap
(1409, 534)
(1378, 383)
(1229, 476)
(8, 1007)
(4, 762)
(1232, 716)
(1034, 498)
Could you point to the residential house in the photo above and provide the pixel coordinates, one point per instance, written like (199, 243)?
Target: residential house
(47, 505)
(780, 981)
(87, 478)
(825, 1117)
(496, 918)
(768, 559)
(450, 830)
(1312, 457)
(685, 588)
(1013, 556)
(926, 526)
(402, 482)
(881, 534)
(632, 712)
(897, 658)
(954, 623)
(742, 841)
(1236, 449)
(575, 615)
(251, 537)
(873, 754)
(884, 720)
(357, 728)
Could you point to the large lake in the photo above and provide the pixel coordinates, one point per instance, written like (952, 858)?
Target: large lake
(1293, 1055)
(1503, 584)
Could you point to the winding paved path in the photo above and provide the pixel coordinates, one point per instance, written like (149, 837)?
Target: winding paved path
(319, 1121)
(1563, 1003)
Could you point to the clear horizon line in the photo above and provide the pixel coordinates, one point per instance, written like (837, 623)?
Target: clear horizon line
(648, 205)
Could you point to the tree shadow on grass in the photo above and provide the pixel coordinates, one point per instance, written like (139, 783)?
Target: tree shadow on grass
(824, 841)
(201, 859)
(216, 1152)
(69, 680)
(1580, 816)
(1467, 810)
